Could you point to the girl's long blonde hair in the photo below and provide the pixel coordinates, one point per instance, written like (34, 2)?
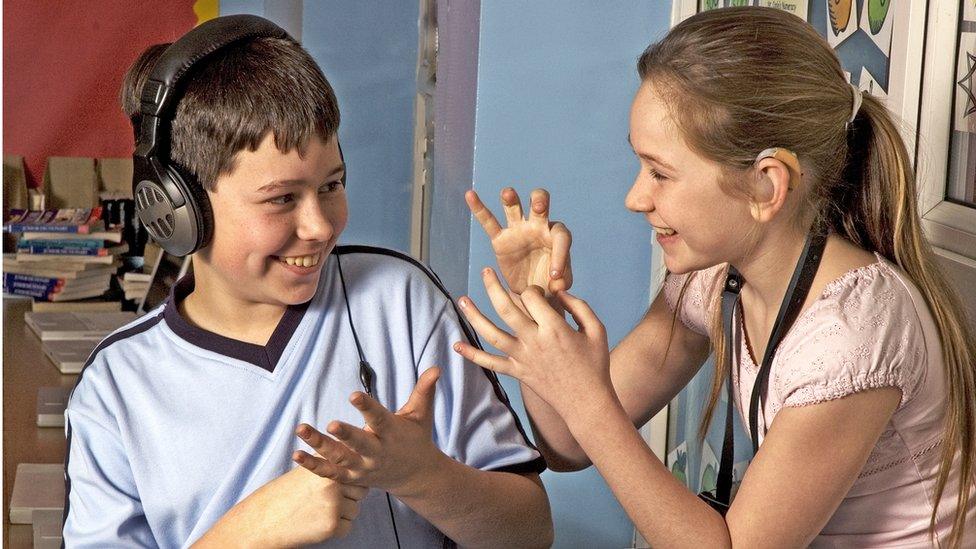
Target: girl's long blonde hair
(740, 80)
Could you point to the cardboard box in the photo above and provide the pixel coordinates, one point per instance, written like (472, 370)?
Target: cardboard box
(14, 182)
(70, 182)
(15, 193)
(115, 177)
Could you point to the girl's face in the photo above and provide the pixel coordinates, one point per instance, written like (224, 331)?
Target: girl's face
(697, 224)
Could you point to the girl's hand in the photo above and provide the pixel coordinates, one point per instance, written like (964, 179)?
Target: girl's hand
(566, 367)
(392, 452)
(530, 252)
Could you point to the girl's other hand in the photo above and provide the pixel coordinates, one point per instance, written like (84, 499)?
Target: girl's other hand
(530, 251)
(567, 367)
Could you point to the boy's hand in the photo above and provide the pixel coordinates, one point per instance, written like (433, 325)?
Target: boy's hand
(530, 252)
(393, 452)
(295, 509)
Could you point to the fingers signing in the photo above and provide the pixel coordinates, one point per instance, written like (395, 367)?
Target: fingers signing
(482, 214)
(364, 443)
(354, 492)
(325, 446)
(485, 359)
(322, 467)
(542, 312)
(421, 402)
(495, 336)
(539, 206)
(375, 414)
(348, 509)
(504, 305)
(584, 316)
(512, 206)
(562, 240)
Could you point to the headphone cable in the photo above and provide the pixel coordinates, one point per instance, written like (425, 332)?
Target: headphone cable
(366, 377)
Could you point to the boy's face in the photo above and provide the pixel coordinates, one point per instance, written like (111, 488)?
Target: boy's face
(277, 217)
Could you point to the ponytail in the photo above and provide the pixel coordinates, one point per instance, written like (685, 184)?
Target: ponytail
(887, 211)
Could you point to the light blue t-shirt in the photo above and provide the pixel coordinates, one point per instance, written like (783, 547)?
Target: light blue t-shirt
(170, 425)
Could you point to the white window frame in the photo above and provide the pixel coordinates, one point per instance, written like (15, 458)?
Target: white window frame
(950, 227)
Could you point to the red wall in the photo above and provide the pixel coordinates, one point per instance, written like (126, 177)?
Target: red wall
(63, 63)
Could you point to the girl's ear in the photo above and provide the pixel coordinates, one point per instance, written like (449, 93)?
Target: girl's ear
(774, 181)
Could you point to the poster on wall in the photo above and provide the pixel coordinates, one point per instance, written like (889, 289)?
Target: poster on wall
(841, 21)
(708, 474)
(678, 463)
(964, 116)
(796, 7)
(969, 10)
(868, 83)
(876, 23)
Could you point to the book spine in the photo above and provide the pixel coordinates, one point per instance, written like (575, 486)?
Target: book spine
(40, 227)
(68, 220)
(79, 243)
(32, 282)
(36, 294)
(62, 250)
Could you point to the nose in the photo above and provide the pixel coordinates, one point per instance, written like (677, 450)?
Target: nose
(313, 221)
(639, 197)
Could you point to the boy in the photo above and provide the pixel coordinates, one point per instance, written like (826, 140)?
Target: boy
(182, 427)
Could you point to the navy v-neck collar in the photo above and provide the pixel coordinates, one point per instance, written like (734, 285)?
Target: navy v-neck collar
(264, 356)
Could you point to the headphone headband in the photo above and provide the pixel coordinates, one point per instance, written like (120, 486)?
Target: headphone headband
(173, 206)
(190, 49)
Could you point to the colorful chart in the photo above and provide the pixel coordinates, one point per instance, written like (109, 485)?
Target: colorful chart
(841, 20)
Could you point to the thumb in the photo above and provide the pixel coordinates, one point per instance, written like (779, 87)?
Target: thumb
(421, 401)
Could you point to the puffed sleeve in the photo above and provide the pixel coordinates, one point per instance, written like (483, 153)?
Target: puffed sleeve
(864, 333)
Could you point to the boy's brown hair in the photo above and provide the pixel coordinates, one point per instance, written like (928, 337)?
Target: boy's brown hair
(232, 99)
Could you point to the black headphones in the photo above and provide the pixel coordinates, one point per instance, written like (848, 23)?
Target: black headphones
(172, 204)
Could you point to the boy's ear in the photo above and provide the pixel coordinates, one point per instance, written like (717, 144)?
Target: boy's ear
(774, 182)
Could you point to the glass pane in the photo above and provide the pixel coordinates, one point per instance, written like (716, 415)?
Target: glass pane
(961, 184)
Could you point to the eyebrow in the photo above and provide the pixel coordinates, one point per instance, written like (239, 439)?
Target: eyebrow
(277, 184)
(650, 157)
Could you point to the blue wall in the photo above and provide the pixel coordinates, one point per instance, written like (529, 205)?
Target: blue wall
(368, 51)
(555, 81)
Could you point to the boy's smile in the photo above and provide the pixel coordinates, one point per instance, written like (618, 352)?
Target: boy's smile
(277, 216)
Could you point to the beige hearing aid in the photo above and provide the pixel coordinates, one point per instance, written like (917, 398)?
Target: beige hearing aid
(787, 157)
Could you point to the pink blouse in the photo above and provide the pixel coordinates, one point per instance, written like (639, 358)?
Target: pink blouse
(870, 328)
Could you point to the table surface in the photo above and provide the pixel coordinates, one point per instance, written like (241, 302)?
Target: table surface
(25, 369)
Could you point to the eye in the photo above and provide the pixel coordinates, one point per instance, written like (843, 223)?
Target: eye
(330, 187)
(656, 175)
(281, 200)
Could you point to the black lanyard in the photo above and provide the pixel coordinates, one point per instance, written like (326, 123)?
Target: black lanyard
(796, 294)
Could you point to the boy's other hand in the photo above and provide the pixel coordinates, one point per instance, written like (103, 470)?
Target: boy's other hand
(295, 509)
(393, 452)
(530, 252)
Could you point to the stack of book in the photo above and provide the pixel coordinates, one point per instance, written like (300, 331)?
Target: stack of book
(135, 285)
(62, 255)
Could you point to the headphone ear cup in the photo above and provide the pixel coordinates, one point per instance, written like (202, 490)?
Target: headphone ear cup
(198, 204)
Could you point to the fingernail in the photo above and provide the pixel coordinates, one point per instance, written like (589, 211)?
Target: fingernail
(457, 347)
(299, 458)
(463, 303)
(486, 271)
(304, 432)
(553, 273)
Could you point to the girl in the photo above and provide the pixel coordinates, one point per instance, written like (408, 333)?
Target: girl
(867, 423)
